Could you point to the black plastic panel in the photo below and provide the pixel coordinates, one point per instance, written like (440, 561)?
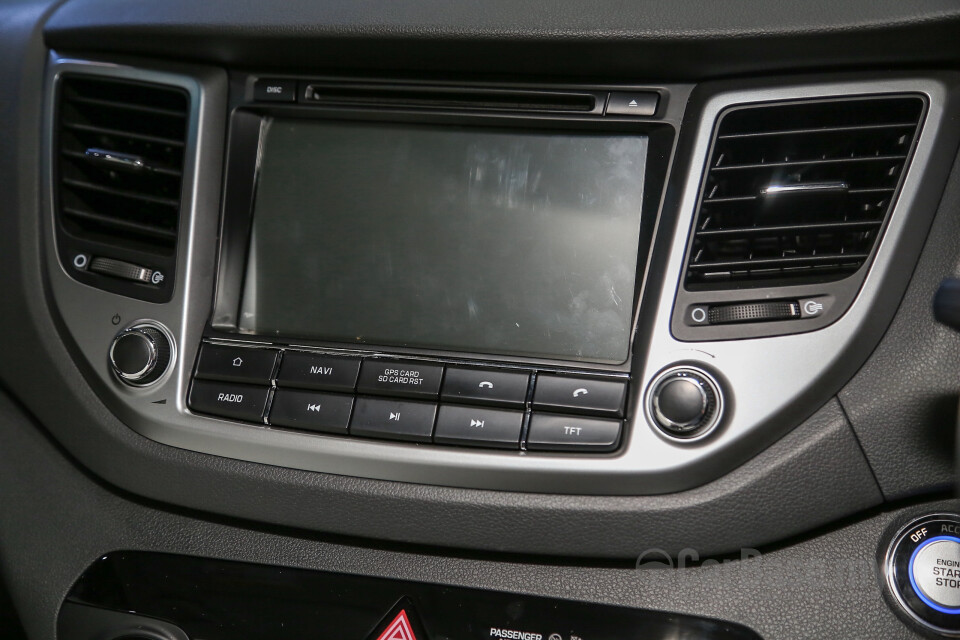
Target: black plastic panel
(903, 402)
(218, 600)
(677, 41)
(824, 587)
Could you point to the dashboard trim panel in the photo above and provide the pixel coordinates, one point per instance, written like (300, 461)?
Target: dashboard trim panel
(760, 408)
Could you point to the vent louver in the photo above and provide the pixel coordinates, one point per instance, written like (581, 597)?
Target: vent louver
(799, 192)
(121, 160)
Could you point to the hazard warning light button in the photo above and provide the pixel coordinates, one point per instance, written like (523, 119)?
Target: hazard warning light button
(402, 623)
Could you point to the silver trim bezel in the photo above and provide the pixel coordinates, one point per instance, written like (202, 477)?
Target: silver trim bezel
(658, 419)
(134, 378)
(759, 407)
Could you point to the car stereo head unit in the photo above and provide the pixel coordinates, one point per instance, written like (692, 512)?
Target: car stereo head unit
(507, 229)
(475, 246)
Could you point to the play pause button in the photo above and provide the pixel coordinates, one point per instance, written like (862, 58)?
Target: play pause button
(393, 419)
(479, 427)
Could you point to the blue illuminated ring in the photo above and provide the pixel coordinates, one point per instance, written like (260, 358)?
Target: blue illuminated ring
(913, 583)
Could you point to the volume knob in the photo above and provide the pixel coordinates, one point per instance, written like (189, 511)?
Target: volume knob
(140, 355)
(685, 402)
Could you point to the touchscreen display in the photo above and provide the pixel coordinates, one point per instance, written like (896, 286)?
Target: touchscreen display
(498, 241)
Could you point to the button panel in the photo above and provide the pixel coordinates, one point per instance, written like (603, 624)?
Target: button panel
(421, 401)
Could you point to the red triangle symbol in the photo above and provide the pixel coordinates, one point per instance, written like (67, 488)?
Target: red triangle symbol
(399, 629)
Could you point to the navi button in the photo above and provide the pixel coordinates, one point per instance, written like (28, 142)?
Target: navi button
(317, 371)
(400, 378)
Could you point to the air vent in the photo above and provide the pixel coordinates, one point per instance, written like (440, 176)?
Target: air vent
(799, 192)
(120, 151)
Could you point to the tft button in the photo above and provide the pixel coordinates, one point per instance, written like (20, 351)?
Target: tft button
(572, 433)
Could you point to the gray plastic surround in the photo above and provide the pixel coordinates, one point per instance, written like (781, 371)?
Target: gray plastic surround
(769, 384)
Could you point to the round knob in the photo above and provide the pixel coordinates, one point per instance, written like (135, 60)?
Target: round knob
(922, 569)
(681, 401)
(685, 402)
(140, 355)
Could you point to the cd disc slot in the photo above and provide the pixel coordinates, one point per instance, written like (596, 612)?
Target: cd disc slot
(420, 97)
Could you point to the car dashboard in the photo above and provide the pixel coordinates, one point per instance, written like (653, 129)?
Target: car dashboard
(541, 321)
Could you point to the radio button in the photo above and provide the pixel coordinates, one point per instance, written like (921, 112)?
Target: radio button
(235, 364)
(400, 378)
(571, 433)
(475, 426)
(325, 412)
(393, 419)
(580, 395)
(238, 401)
(486, 386)
(315, 371)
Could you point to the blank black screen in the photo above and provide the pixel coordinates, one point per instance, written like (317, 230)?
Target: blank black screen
(479, 240)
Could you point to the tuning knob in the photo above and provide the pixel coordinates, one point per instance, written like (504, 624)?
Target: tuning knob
(140, 355)
(685, 402)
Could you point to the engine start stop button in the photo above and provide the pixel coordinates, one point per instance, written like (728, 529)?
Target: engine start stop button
(922, 568)
(935, 573)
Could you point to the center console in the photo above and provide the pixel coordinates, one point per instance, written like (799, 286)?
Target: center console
(572, 289)
(389, 246)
